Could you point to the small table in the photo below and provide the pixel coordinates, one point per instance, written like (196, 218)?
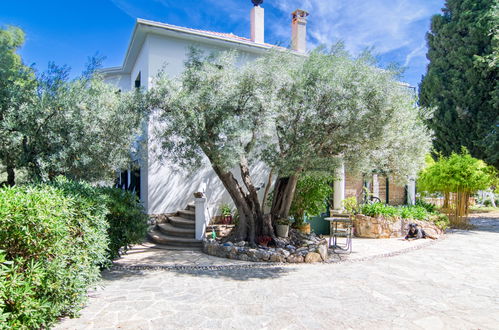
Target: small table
(336, 232)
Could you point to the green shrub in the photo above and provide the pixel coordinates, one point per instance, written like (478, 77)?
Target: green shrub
(350, 204)
(377, 209)
(127, 220)
(311, 195)
(430, 208)
(440, 220)
(55, 239)
(56, 244)
(414, 212)
(406, 212)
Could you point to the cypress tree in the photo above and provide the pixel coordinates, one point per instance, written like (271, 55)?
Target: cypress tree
(461, 82)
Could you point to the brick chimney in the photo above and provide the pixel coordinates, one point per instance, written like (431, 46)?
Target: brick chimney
(257, 25)
(299, 30)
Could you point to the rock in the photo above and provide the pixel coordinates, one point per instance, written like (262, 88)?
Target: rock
(285, 253)
(262, 255)
(322, 250)
(243, 257)
(252, 254)
(312, 247)
(276, 257)
(290, 247)
(294, 258)
(280, 244)
(241, 243)
(313, 257)
(304, 248)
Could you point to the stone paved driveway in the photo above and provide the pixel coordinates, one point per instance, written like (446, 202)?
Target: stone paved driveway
(453, 284)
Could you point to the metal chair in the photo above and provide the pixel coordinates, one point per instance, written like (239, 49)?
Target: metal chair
(340, 246)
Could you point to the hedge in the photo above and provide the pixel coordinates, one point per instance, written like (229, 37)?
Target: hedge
(54, 240)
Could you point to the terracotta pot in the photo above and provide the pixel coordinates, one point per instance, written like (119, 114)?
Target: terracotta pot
(282, 230)
(304, 228)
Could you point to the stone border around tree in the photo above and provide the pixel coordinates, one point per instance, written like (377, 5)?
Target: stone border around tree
(314, 249)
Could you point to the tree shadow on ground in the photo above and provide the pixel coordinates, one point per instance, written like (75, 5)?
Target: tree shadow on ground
(238, 274)
(234, 273)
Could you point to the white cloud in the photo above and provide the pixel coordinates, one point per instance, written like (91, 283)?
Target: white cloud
(415, 53)
(386, 25)
(395, 29)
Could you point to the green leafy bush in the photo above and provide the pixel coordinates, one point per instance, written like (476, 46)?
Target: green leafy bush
(56, 244)
(377, 209)
(406, 212)
(413, 212)
(311, 195)
(431, 208)
(55, 240)
(127, 220)
(350, 204)
(440, 220)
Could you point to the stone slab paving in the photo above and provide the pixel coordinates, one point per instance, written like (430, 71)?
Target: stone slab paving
(451, 284)
(149, 255)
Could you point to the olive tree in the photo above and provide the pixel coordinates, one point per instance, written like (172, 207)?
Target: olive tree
(295, 113)
(50, 125)
(330, 108)
(17, 83)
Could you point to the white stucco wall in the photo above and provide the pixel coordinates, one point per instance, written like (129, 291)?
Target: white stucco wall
(122, 81)
(164, 187)
(171, 188)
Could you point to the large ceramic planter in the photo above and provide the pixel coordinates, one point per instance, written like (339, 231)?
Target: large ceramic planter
(282, 230)
(304, 228)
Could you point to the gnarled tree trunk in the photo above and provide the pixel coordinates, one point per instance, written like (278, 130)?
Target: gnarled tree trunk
(284, 192)
(252, 222)
(11, 176)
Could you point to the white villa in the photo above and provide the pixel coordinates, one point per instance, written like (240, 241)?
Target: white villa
(156, 46)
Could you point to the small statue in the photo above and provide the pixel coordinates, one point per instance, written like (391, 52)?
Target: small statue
(257, 2)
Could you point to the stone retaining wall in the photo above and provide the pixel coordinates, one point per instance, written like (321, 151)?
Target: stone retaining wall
(380, 227)
(313, 250)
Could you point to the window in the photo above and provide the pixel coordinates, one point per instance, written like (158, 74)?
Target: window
(137, 81)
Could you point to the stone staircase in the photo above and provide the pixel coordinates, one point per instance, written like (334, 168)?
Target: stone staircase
(178, 231)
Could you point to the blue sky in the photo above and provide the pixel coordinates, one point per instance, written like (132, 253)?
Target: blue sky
(67, 32)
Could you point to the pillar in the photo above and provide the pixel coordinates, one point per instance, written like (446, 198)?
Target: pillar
(201, 217)
(339, 188)
(411, 191)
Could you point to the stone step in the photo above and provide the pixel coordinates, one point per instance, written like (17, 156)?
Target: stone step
(191, 207)
(182, 222)
(171, 230)
(187, 214)
(159, 238)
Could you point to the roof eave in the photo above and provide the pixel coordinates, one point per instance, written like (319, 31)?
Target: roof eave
(143, 27)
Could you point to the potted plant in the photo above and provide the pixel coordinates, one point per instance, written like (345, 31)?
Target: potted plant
(225, 214)
(264, 240)
(282, 228)
(311, 194)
